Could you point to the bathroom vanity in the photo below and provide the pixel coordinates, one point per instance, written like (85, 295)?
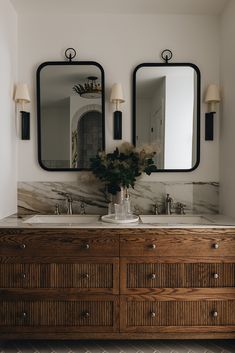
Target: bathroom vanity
(110, 282)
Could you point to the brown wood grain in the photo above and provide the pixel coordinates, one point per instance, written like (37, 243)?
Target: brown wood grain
(96, 274)
(187, 245)
(137, 314)
(50, 242)
(148, 273)
(55, 293)
(210, 334)
(36, 315)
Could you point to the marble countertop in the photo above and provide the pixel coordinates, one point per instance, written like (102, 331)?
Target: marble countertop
(217, 221)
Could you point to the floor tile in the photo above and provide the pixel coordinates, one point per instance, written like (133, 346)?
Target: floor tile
(152, 346)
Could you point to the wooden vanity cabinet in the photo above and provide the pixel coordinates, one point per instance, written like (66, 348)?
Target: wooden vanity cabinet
(117, 283)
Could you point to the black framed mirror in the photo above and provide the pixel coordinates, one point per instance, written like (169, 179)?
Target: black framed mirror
(166, 113)
(70, 113)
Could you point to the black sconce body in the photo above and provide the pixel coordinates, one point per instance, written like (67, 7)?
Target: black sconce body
(25, 125)
(209, 126)
(117, 125)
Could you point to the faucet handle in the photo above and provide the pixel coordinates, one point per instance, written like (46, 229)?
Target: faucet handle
(180, 207)
(82, 208)
(57, 209)
(156, 209)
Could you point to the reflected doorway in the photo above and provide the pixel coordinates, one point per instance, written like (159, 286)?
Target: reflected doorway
(89, 137)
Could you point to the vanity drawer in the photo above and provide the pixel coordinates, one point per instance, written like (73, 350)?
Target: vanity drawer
(178, 242)
(149, 315)
(58, 242)
(91, 313)
(96, 274)
(150, 273)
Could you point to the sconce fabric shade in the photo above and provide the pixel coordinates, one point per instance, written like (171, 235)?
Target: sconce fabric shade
(212, 96)
(22, 93)
(117, 94)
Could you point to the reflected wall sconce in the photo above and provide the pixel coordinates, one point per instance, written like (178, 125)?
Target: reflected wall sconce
(22, 97)
(117, 98)
(212, 97)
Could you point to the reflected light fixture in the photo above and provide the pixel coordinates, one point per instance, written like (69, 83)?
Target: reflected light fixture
(22, 97)
(91, 89)
(117, 98)
(212, 97)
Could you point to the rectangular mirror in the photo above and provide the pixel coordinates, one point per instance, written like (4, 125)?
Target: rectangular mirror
(166, 112)
(70, 105)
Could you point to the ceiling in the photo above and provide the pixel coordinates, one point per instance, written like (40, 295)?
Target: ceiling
(57, 81)
(204, 7)
(149, 78)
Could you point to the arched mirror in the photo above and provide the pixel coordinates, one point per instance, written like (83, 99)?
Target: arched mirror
(166, 112)
(70, 105)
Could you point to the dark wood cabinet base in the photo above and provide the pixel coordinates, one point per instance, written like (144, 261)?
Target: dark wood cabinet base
(116, 336)
(117, 284)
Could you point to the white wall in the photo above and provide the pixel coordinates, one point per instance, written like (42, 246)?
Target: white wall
(8, 66)
(143, 116)
(227, 156)
(56, 132)
(179, 120)
(118, 43)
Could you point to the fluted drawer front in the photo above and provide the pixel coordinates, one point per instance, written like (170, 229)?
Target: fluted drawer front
(180, 275)
(53, 313)
(25, 275)
(92, 273)
(144, 313)
(178, 242)
(58, 242)
(84, 275)
(209, 275)
(153, 275)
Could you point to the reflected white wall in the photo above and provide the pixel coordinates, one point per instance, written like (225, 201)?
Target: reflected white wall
(179, 119)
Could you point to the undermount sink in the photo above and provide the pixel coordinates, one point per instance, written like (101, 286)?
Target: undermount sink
(62, 219)
(175, 219)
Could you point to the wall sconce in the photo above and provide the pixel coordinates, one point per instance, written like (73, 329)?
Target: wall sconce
(212, 97)
(117, 98)
(22, 98)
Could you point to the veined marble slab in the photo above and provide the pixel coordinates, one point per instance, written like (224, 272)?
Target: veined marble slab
(41, 197)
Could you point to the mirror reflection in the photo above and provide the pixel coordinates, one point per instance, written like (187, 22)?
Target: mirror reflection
(71, 114)
(167, 113)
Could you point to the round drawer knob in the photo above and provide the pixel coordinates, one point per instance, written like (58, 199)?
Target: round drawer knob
(215, 276)
(85, 275)
(152, 246)
(22, 246)
(216, 246)
(85, 314)
(23, 275)
(153, 276)
(153, 314)
(86, 246)
(214, 313)
(24, 315)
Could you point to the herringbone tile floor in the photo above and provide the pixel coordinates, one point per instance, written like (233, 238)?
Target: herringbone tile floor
(118, 347)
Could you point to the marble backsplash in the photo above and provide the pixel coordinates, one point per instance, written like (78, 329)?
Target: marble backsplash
(42, 197)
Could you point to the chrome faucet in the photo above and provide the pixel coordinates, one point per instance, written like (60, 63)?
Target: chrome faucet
(168, 204)
(69, 204)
